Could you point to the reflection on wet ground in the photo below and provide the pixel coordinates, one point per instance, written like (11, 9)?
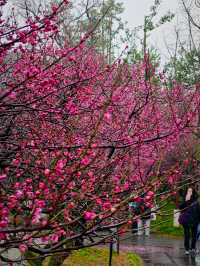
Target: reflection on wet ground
(159, 251)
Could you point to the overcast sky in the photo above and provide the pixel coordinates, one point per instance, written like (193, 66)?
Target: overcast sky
(134, 13)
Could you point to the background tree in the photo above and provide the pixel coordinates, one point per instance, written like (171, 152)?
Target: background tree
(184, 60)
(183, 66)
(106, 37)
(82, 16)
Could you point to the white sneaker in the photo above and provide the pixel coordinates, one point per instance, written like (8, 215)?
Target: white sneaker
(193, 251)
(187, 252)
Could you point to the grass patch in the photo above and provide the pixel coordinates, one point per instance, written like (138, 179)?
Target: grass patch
(164, 222)
(100, 257)
(133, 259)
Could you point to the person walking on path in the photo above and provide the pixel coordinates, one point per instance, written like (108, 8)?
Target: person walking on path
(132, 210)
(144, 220)
(189, 219)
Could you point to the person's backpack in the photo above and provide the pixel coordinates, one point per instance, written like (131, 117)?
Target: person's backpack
(143, 210)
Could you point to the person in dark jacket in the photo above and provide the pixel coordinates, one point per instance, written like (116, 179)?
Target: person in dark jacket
(132, 207)
(144, 220)
(142, 225)
(189, 219)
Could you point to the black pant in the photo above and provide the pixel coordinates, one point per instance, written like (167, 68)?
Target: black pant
(134, 227)
(190, 231)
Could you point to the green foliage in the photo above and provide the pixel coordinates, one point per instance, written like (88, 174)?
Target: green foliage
(136, 56)
(36, 260)
(107, 15)
(133, 259)
(100, 256)
(54, 260)
(166, 18)
(33, 260)
(186, 68)
(149, 24)
(164, 222)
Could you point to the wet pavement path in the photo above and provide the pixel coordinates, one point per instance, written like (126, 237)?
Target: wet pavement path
(158, 251)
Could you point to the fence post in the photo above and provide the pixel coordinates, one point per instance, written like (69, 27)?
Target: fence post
(110, 253)
(115, 240)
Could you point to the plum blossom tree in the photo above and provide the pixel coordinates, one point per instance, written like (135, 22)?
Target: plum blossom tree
(79, 138)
